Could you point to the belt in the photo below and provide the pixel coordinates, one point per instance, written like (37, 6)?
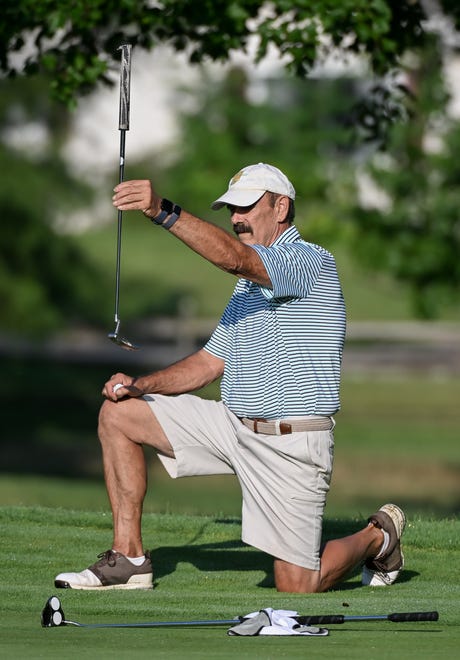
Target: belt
(280, 427)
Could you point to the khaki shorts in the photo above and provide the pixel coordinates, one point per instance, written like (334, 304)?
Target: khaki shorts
(284, 479)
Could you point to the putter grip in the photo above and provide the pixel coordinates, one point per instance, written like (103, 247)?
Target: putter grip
(398, 617)
(125, 81)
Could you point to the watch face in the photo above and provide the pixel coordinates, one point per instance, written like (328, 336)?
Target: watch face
(166, 205)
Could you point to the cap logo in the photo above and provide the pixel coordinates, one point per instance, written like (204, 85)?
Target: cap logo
(236, 178)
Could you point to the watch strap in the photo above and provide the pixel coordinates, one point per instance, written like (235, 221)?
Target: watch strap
(167, 224)
(168, 209)
(160, 218)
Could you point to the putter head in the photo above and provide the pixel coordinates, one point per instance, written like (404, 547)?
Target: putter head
(52, 614)
(119, 340)
(123, 343)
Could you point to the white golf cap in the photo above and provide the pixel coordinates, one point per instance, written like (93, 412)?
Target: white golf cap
(250, 183)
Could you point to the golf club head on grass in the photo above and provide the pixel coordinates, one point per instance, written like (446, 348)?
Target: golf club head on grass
(121, 341)
(52, 614)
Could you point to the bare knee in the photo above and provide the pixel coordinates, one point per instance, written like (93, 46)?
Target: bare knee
(115, 419)
(131, 419)
(295, 579)
(107, 418)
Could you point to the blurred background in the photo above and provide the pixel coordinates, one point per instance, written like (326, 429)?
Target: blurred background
(374, 160)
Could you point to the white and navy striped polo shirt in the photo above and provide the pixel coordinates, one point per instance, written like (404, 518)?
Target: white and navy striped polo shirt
(282, 346)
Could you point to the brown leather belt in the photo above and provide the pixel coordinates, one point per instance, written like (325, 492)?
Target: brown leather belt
(280, 427)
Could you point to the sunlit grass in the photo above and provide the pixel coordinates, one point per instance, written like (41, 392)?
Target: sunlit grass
(203, 571)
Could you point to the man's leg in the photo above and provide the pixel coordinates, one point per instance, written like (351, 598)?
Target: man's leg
(123, 428)
(338, 559)
(378, 545)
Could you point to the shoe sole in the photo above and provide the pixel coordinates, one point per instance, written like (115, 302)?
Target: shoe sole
(131, 584)
(372, 578)
(397, 516)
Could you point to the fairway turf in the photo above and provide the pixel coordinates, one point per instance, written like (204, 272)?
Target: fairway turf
(203, 571)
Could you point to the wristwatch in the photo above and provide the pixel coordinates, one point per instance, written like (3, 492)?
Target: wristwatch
(167, 209)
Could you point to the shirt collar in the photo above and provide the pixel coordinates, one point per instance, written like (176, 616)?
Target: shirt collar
(288, 236)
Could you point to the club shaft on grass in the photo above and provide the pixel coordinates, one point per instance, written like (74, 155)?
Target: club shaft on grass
(53, 616)
(303, 620)
(155, 624)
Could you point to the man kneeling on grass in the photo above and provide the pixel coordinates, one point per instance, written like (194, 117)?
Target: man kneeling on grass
(278, 349)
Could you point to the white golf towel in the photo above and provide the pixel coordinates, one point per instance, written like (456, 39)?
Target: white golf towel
(274, 622)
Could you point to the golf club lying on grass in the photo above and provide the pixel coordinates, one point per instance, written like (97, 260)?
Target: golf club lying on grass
(53, 617)
(125, 78)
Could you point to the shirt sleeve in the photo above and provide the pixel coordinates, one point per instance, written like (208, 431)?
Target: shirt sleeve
(293, 269)
(217, 342)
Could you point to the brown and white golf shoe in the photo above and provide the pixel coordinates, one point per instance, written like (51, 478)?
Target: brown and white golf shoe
(381, 571)
(112, 571)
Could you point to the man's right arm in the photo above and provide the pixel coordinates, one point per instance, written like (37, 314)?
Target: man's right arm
(206, 239)
(186, 375)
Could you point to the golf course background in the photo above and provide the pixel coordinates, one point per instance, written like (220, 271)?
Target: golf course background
(396, 440)
(377, 181)
(396, 434)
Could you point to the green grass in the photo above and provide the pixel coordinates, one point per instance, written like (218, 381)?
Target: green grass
(204, 572)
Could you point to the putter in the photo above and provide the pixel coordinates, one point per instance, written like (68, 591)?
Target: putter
(123, 124)
(53, 617)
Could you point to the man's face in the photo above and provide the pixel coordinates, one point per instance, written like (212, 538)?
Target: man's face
(256, 224)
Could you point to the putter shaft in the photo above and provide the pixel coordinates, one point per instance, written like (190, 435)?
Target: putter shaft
(155, 624)
(123, 125)
(53, 616)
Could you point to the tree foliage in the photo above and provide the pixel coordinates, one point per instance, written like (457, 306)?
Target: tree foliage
(299, 126)
(75, 41)
(304, 129)
(72, 46)
(416, 237)
(45, 281)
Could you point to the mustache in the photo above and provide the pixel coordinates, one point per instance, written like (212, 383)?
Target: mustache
(242, 228)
